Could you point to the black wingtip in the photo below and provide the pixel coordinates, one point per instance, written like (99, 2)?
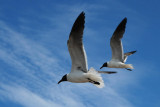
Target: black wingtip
(134, 51)
(82, 14)
(79, 23)
(124, 21)
(125, 18)
(107, 72)
(121, 27)
(112, 72)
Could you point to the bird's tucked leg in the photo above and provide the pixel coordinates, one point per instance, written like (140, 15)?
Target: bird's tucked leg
(94, 82)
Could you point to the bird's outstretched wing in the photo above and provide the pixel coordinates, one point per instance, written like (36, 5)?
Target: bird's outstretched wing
(115, 42)
(107, 72)
(75, 45)
(128, 54)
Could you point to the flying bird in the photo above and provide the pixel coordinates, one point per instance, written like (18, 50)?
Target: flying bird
(79, 71)
(118, 57)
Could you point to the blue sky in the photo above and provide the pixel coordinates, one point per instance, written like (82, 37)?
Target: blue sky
(34, 54)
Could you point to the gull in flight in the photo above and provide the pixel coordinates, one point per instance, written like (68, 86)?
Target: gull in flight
(118, 57)
(79, 71)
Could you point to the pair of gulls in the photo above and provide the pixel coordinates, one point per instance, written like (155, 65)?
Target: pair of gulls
(79, 71)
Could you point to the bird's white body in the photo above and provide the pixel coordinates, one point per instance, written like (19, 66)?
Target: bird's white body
(78, 76)
(118, 64)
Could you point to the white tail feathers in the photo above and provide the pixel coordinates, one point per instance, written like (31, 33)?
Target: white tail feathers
(129, 66)
(95, 76)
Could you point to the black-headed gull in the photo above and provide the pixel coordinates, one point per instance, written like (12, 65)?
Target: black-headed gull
(118, 57)
(79, 71)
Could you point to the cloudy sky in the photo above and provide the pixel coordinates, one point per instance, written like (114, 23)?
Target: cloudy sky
(34, 54)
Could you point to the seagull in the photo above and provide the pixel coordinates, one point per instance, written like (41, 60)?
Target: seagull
(118, 57)
(79, 71)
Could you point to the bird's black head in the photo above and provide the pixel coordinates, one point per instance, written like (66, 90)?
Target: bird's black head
(104, 65)
(64, 78)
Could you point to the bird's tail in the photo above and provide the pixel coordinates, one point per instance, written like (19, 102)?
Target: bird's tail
(96, 78)
(128, 66)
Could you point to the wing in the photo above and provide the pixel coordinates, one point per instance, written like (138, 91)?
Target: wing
(75, 45)
(115, 42)
(107, 72)
(128, 54)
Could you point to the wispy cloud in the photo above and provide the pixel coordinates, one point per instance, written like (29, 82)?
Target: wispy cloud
(25, 97)
(42, 69)
(39, 63)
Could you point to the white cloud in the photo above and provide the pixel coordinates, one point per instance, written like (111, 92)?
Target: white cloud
(41, 68)
(28, 98)
(25, 97)
(39, 57)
